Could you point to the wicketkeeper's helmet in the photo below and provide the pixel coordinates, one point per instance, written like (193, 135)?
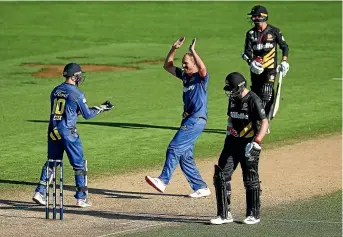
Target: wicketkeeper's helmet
(258, 14)
(74, 70)
(235, 84)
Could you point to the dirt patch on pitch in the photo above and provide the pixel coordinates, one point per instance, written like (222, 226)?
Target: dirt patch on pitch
(55, 70)
(125, 203)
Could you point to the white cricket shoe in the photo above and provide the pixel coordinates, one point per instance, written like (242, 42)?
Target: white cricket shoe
(250, 220)
(39, 199)
(219, 220)
(83, 203)
(156, 183)
(203, 192)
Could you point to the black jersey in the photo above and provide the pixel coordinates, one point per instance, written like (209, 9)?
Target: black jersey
(261, 46)
(244, 115)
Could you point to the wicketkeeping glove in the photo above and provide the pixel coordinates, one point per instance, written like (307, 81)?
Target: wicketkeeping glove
(106, 106)
(252, 149)
(256, 67)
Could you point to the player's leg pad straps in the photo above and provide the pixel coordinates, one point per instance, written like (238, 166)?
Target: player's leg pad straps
(43, 182)
(80, 172)
(223, 192)
(253, 202)
(252, 189)
(81, 189)
(267, 92)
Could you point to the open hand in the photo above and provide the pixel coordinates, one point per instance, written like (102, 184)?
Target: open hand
(192, 46)
(178, 43)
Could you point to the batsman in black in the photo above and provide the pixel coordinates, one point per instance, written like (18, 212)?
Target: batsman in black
(247, 125)
(260, 52)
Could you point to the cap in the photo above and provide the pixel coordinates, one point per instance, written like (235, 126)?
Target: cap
(234, 80)
(70, 69)
(258, 10)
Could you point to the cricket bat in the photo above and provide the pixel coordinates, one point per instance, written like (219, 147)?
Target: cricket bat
(277, 97)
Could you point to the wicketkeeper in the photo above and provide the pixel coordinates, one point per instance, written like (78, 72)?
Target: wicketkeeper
(246, 126)
(260, 52)
(67, 103)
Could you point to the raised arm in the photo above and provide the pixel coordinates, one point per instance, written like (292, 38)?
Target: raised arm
(200, 64)
(169, 61)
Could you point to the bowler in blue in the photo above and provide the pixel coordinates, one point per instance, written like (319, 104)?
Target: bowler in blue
(195, 79)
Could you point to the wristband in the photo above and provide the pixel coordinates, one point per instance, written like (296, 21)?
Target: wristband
(258, 141)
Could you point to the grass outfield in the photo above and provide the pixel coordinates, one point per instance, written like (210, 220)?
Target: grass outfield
(148, 101)
(302, 219)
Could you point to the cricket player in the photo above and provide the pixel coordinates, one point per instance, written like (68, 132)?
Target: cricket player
(67, 102)
(260, 52)
(195, 78)
(247, 124)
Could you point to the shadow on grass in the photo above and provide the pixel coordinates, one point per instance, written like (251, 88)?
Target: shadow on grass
(105, 192)
(135, 126)
(30, 206)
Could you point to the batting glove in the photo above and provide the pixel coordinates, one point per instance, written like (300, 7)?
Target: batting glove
(106, 106)
(283, 67)
(256, 67)
(252, 149)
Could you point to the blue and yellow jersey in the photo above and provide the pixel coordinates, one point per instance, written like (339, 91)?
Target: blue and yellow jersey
(67, 102)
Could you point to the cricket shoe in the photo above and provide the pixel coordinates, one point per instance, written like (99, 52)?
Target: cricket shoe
(203, 192)
(39, 199)
(251, 220)
(156, 183)
(219, 220)
(83, 203)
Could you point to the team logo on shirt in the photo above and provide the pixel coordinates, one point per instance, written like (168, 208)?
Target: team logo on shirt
(189, 88)
(269, 37)
(245, 106)
(237, 115)
(60, 93)
(233, 132)
(263, 46)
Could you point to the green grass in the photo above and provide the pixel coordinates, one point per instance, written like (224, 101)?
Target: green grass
(320, 216)
(148, 102)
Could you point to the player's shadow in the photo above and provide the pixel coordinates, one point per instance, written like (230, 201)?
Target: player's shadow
(134, 126)
(72, 209)
(106, 192)
(114, 215)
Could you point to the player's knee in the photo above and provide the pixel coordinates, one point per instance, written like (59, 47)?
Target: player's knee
(220, 176)
(252, 184)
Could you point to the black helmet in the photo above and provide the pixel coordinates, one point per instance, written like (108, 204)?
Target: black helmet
(258, 14)
(235, 83)
(74, 70)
